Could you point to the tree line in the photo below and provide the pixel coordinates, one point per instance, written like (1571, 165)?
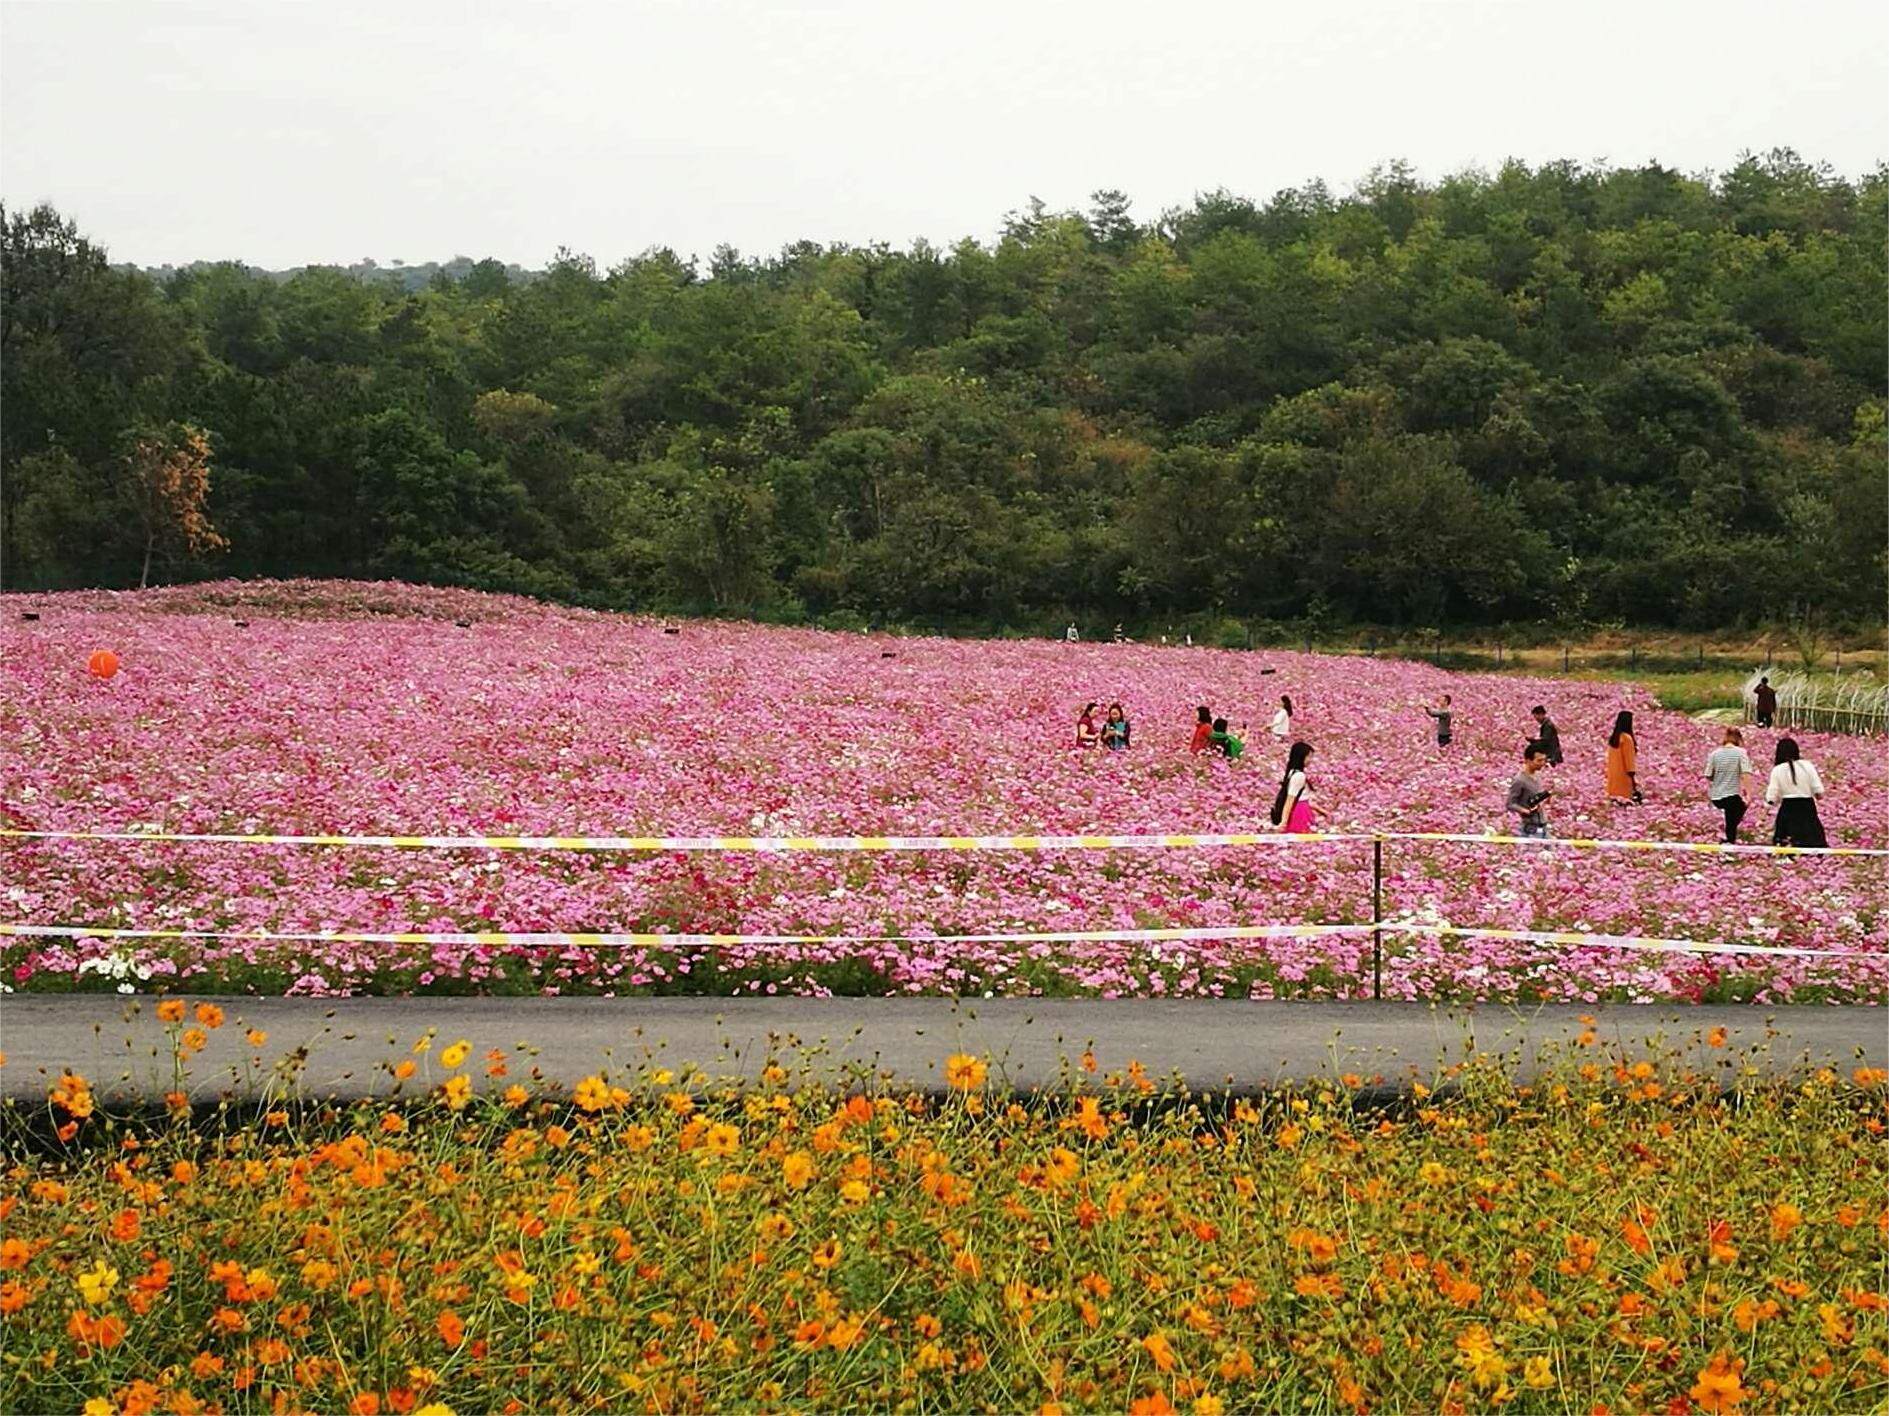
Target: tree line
(1571, 394)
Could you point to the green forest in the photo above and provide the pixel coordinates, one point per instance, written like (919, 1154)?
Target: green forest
(1568, 395)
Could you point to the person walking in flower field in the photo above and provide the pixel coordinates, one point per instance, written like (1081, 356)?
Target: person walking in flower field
(1547, 734)
(1623, 787)
(1794, 789)
(1282, 718)
(1527, 795)
(1726, 769)
(1292, 807)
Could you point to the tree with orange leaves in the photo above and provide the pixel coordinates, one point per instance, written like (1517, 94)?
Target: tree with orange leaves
(168, 477)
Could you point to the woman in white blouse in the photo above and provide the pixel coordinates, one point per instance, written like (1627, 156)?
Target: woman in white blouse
(1793, 790)
(1282, 719)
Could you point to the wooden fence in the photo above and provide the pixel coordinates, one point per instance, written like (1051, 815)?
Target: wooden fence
(1823, 705)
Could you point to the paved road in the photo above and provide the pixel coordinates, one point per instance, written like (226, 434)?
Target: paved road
(348, 1047)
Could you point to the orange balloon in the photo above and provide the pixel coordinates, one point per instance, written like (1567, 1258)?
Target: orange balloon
(103, 663)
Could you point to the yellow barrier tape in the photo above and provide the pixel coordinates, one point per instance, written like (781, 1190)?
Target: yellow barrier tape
(831, 844)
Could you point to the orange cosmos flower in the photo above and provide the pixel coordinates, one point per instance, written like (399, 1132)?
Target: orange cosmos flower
(1157, 1347)
(170, 1010)
(73, 1095)
(452, 1331)
(797, 1170)
(965, 1072)
(209, 1015)
(1784, 1218)
(722, 1139)
(1720, 1386)
(257, 1037)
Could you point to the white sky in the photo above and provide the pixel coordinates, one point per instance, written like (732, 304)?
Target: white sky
(282, 133)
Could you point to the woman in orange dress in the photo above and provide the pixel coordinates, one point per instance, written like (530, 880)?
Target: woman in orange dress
(1622, 763)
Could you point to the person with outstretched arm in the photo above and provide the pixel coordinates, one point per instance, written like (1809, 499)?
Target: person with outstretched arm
(1725, 772)
(1527, 795)
(1223, 742)
(1442, 715)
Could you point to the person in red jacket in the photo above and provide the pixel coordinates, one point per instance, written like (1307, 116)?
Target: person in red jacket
(1203, 729)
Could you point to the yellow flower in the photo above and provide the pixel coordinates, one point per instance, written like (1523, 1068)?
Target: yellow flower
(457, 1091)
(797, 1170)
(99, 1406)
(722, 1139)
(827, 1254)
(455, 1054)
(855, 1192)
(515, 1096)
(1209, 1405)
(964, 1072)
(592, 1094)
(1538, 1372)
(96, 1283)
(435, 1408)
(1431, 1173)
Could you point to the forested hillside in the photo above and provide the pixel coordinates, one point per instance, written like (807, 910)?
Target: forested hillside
(1570, 394)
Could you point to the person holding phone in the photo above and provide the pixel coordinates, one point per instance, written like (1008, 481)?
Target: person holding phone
(1527, 796)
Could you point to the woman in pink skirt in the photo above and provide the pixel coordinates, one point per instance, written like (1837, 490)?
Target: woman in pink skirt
(1292, 807)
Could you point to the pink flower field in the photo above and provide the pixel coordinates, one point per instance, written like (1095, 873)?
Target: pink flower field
(345, 708)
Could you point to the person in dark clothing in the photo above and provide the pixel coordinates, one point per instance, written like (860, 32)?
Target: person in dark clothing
(1547, 734)
(1766, 704)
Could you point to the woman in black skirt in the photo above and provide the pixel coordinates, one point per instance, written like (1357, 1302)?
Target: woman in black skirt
(1793, 790)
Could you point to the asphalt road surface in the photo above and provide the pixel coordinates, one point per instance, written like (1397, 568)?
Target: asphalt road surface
(346, 1048)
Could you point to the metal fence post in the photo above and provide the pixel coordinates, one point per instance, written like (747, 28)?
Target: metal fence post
(1564, 658)
(1377, 917)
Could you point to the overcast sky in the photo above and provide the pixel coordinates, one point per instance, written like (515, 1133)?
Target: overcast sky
(284, 133)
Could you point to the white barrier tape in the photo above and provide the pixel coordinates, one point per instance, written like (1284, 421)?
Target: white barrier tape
(1596, 843)
(550, 939)
(758, 844)
(553, 939)
(831, 844)
(1629, 941)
